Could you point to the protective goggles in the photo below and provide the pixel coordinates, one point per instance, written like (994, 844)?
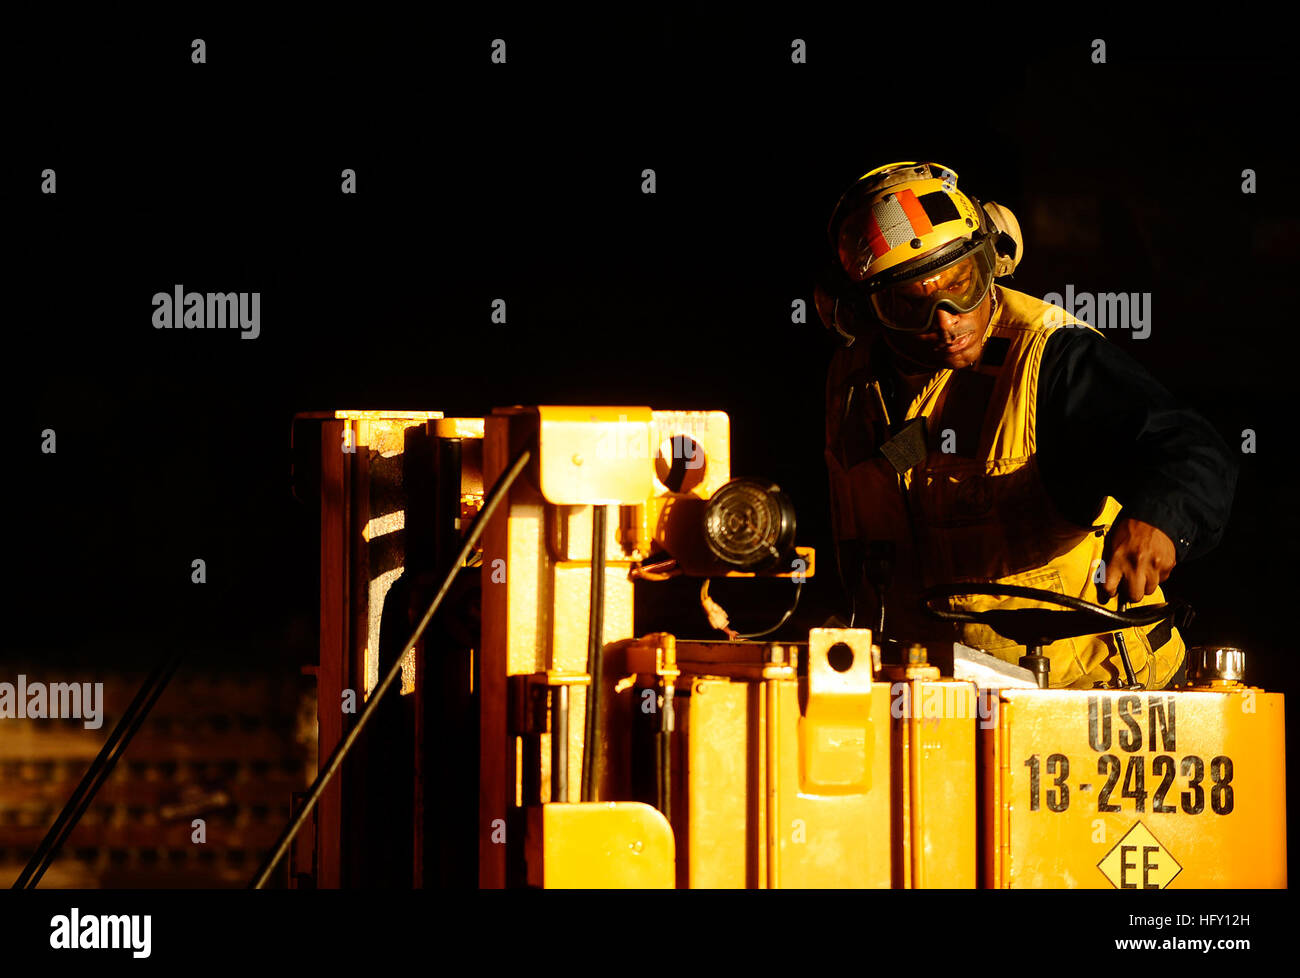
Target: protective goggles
(958, 288)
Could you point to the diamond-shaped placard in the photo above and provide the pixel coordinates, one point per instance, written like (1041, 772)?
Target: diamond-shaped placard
(1139, 862)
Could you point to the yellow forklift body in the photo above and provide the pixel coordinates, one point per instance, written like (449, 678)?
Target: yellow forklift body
(857, 773)
(599, 845)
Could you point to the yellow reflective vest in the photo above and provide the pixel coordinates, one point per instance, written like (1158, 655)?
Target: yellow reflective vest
(970, 504)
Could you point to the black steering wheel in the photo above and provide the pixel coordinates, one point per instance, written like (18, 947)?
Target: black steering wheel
(1037, 627)
(1042, 626)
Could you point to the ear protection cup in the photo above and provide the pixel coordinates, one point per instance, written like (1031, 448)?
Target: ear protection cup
(841, 309)
(1009, 247)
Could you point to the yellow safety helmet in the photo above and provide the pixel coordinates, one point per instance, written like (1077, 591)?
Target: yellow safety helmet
(906, 222)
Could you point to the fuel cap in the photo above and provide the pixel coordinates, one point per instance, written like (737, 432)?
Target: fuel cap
(1210, 662)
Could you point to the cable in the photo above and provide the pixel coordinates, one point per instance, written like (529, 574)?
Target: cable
(704, 595)
(595, 650)
(798, 590)
(100, 768)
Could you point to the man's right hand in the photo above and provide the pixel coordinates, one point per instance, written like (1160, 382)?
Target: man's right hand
(1138, 554)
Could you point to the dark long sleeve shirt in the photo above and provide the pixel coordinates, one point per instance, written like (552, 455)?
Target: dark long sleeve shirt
(1107, 427)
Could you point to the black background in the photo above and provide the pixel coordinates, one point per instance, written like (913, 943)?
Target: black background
(522, 181)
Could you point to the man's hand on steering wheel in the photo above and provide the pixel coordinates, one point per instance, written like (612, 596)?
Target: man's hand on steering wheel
(1140, 555)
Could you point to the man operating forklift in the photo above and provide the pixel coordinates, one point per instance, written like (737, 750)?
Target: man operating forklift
(979, 434)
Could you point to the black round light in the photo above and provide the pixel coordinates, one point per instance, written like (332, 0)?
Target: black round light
(749, 525)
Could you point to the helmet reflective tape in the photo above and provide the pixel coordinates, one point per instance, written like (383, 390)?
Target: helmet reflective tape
(894, 220)
(878, 236)
(959, 288)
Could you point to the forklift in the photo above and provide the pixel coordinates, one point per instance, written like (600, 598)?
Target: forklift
(542, 736)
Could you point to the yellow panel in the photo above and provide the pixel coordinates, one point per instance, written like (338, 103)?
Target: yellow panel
(936, 786)
(834, 840)
(601, 845)
(1142, 790)
(823, 840)
(595, 455)
(573, 609)
(529, 607)
(719, 760)
(571, 590)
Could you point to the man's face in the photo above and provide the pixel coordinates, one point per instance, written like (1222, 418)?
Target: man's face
(953, 340)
